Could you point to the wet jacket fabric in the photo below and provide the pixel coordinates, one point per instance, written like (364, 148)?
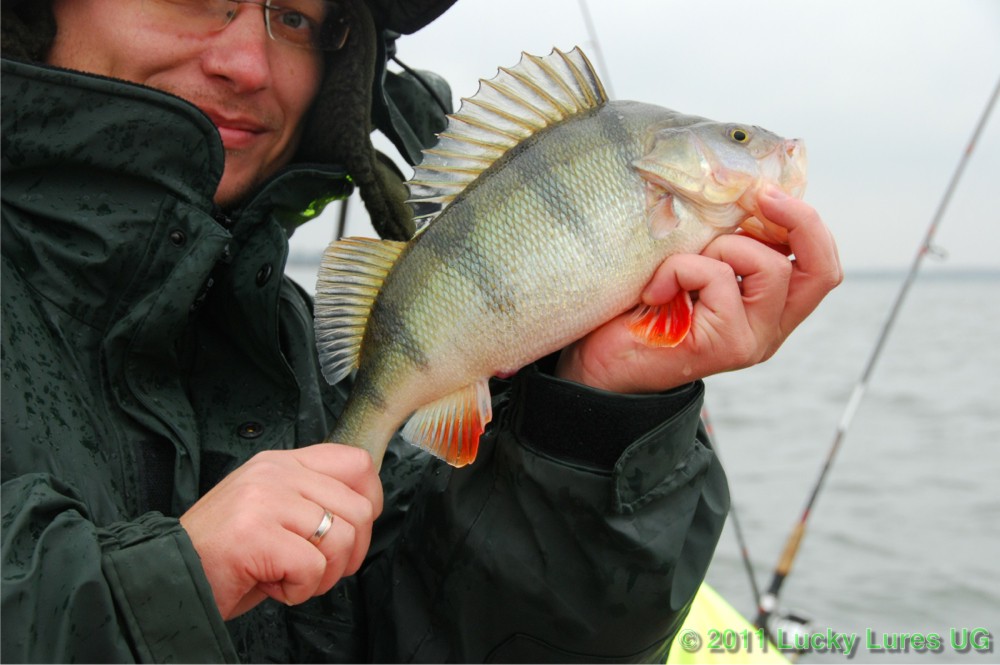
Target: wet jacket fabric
(151, 344)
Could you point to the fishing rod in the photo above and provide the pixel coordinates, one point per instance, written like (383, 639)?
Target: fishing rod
(769, 602)
(737, 526)
(342, 219)
(598, 51)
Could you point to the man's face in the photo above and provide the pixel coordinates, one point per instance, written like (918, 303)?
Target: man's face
(256, 90)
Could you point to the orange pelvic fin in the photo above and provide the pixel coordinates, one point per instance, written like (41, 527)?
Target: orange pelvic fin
(450, 427)
(663, 325)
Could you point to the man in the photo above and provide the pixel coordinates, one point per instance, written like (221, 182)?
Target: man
(164, 495)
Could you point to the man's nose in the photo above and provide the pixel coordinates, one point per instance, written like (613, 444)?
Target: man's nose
(240, 52)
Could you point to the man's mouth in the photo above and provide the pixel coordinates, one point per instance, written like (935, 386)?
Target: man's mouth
(237, 131)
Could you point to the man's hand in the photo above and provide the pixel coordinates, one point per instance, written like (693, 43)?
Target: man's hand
(737, 322)
(252, 530)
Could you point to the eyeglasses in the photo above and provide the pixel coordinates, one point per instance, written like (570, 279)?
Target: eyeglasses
(319, 25)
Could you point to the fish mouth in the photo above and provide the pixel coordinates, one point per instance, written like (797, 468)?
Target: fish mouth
(794, 166)
(785, 168)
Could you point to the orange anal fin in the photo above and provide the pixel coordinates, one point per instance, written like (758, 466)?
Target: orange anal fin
(663, 325)
(450, 427)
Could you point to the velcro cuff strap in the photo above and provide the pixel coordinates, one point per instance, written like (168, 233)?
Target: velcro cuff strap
(588, 426)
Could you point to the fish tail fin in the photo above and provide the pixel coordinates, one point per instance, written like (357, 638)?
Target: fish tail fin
(450, 427)
(350, 278)
(663, 325)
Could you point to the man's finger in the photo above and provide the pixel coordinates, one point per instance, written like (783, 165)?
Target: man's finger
(351, 466)
(342, 540)
(765, 277)
(344, 548)
(291, 571)
(816, 269)
(332, 495)
(692, 272)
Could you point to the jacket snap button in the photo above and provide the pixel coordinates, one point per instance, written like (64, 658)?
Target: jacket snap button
(264, 274)
(250, 430)
(178, 238)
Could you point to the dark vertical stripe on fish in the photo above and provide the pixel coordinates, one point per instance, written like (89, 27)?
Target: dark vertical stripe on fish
(612, 127)
(535, 171)
(391, 324)
(457, 250)
(368, 392)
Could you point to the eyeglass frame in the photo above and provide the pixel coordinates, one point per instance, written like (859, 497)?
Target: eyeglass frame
(268, 7)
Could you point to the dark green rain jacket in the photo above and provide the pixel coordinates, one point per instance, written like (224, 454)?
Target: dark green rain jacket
(151, 345)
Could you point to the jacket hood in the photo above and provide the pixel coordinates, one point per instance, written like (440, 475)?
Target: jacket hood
(357, 96)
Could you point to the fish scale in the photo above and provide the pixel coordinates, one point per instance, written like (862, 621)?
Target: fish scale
(549, 210)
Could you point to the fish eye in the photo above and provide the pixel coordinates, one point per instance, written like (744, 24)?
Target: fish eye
(739, 135)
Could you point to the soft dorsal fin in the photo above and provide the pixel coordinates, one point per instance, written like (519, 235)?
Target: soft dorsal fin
(507, 109)
(349, 279)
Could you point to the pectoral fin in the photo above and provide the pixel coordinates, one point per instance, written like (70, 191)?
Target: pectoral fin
(661, 218)
(663, 325)
(450, 427)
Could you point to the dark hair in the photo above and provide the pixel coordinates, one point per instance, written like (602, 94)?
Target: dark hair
(28, 29)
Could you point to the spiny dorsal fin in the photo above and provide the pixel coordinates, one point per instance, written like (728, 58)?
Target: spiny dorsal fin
(507, 109)
(450, 427)
(349, 279)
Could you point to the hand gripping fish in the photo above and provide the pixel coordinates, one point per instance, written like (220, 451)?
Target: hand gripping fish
(549, 210)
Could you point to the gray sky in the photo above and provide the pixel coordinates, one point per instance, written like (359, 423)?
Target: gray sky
(885, 93)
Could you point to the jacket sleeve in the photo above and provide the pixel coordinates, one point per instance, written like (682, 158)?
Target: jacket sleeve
(581, 533)
(75, 592)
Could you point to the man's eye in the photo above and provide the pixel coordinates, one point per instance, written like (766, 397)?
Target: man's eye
(294, 20)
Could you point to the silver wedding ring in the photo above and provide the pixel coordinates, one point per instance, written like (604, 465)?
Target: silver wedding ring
(324, 526)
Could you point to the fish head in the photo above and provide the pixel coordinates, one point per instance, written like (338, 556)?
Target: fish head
(714, 171)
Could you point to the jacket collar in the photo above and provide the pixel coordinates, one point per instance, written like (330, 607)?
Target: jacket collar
(109, 165)
(54, 118)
